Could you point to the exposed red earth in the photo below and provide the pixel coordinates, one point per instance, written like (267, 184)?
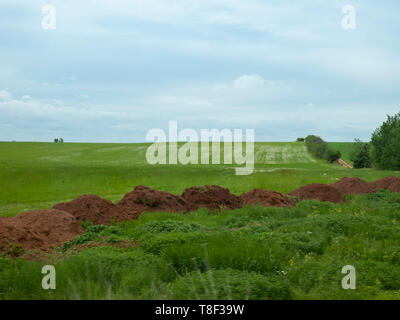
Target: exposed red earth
(266, 198)
(91, 208)
(317, 191)
(143, 199)
(44, 229)
(39, 230)
(211, 197)
(389, 183)
(352, 186)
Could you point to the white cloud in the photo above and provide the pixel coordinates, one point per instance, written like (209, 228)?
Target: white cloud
(248, 81)
(5, 95)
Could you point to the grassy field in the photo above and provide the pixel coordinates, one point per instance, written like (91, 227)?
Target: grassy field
(39, 175)
(250, 253)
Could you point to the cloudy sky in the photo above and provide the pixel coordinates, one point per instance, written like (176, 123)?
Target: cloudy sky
(112, 70)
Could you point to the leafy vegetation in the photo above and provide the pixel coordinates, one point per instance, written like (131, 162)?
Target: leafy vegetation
(385, 144)
(360, 155)
(320, 149)
(250, 253)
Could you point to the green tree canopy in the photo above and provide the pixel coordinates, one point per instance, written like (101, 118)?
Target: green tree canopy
(385, 143)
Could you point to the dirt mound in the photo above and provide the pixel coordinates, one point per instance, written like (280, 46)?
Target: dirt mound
(352, 186)
(143, 199)
(317, 191)
(389, 183)
(90, 208)
(266, 198)
(37, 230)
(211, 197)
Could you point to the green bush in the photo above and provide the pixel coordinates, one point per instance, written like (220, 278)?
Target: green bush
(360, 155)
(385, 144)
(320, 149)
(332, 155)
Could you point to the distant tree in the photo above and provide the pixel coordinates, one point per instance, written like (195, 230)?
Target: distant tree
(361, 155)
(55, 140)
(332, 155)
(385, 144)
(61, 140)
(300, 140)
(316, 146)
(320, 149)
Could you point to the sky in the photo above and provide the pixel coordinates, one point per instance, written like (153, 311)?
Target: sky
(111, 71)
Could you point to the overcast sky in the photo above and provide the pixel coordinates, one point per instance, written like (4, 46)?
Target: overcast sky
(112, 70)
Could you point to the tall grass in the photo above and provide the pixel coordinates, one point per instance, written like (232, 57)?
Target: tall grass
(250, 253)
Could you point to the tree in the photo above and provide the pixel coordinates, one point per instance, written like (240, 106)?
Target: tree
(316, 146)
(385, 144)
(332, 155)
(300, 140)
(360, 155)
(55, 140)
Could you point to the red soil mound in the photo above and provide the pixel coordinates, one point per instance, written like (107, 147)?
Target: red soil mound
(317, 191)
(211, 197)
(388, 183)
(266, 198)
(38, 230)
(352, 186)
(90, 208)
(143, 199)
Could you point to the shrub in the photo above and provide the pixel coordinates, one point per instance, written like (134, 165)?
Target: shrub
(320, 149)
(332, 155)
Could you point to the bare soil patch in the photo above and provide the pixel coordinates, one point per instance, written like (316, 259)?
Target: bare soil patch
(143, 199)
(352, 186)
(266, 198)
(317, 191)
(91, 208)
(40, 229)
(211, 197)
(389, 183)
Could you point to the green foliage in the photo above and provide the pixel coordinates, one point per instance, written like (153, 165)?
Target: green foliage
(316, 146)
(360, 155)
(300, 140)
(229, 284)
(253, 252)
(332, 155)
(167, 226)
(385, 143)
(320, 149)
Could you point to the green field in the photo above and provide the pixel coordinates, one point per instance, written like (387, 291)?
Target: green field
(249, 253)
(39, 175)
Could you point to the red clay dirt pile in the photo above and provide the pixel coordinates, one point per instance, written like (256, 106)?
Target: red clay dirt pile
(317, 191)
(389, 183)
(39, 230)
(91, 208)
(211, 197)
(352, 186)
(266, 198)
(143, 199)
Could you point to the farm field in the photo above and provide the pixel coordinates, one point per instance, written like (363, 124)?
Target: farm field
(39, 175)
(249, 253)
